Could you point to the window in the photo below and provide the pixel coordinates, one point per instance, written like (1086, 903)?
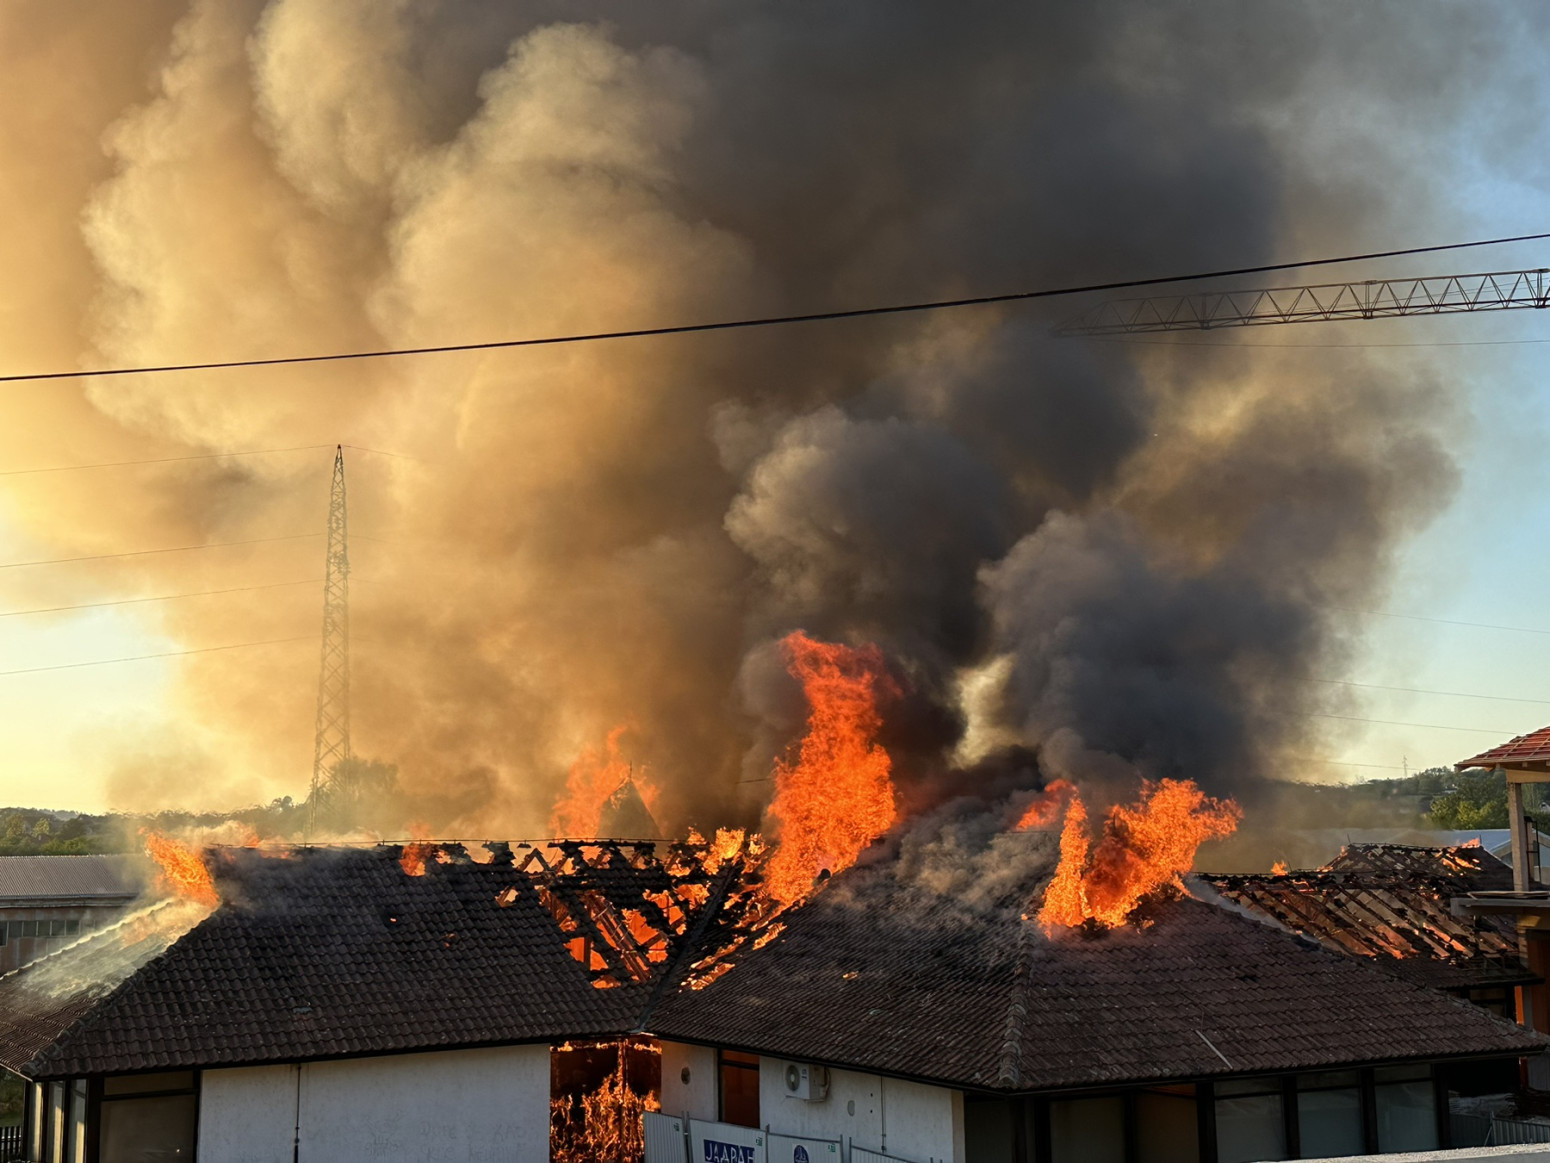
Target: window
(1167, 1125)
(989, 1129)
(1250, 1124)
(1087, 1130)
(148, 1116)
(1407, 1109)
(738, 1075)
(1329, 1115)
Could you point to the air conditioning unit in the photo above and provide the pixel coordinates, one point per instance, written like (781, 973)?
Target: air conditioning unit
(808, 1083)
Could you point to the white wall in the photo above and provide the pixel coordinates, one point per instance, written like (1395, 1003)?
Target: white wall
(460, 1106)
(908, 1119)
(697, 1097)
(1519, 1153)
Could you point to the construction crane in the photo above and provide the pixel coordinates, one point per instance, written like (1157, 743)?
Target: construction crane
(1321, 303)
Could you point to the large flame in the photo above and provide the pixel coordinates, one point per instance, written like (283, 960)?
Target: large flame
(838, 797)
(1145, 846)
(181, 870)
(595, 778)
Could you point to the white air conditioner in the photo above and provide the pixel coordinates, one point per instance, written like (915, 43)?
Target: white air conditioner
(808, 1083)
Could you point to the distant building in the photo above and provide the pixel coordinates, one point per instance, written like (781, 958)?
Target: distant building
(46, 901)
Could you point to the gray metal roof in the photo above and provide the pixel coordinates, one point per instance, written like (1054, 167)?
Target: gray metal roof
(38, 879)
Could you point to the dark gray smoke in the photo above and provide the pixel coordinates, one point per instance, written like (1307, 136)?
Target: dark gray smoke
(1137, 550)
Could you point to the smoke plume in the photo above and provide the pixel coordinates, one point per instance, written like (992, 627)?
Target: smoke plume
(1133, 556)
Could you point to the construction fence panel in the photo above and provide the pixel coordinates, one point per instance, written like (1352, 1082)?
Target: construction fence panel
(862, 1155)
(794, 1149)
(665, 1139)
(725, 1143)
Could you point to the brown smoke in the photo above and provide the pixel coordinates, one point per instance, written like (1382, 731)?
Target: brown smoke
(616, 533)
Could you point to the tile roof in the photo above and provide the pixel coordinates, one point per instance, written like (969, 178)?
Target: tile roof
(337, 952)
(1390, 904)
(42, 878)
(879, 975)
(1531, 748)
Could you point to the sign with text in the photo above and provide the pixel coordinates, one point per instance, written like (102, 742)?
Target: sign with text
(725, 1143)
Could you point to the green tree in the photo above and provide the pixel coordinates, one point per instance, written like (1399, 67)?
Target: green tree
(1475, 801)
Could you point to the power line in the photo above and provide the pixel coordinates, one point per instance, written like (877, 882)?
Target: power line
(158, 598)
(1421, 691)
(1344, 763)
(163, 654)
(169, 549)
(13, 472)
(764, 321)
(1317, 346)
(1430, 726)
(1442, 621)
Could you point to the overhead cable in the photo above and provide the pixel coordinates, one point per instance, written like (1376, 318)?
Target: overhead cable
(14, 472)
(763, 321)
(1411, 690)
(146, 552)
(311, 581)
(163, 654)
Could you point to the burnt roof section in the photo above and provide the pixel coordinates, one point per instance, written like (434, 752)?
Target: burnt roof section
(329, 953)
(52, 880)
(879, 975)
(1390, 905)
(1528, 750)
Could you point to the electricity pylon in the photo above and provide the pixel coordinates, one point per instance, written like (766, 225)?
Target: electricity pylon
(333, 727)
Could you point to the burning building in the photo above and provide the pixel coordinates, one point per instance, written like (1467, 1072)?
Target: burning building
(1392, 905)
(347, 1004)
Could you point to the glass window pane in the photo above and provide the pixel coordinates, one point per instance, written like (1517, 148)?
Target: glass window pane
(1330, 1080)
(1329, 1123)
(75, 1133)
(1248, 1086)
(1249, 1129)
(55, 1146)
(1087, 1130)
(988, 1132)
(1167, 1130)
(1403, 1073)
(145, 1083)
(739, 1089)
(1407, 1118)
(147, 1128)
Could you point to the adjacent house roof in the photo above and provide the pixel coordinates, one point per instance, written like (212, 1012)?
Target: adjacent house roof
(882, 975)
(55, 880)
(1390, 904)
(1524, 750)
(331, 952)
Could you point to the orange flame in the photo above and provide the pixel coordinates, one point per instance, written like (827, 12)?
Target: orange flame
(1145, 847)
(181, 870)
(838, 797)
(1042, 810)
(592, 781)
(1278, 868)
(415, 854)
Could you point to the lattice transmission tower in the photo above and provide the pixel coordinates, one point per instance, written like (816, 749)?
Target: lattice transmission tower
(333, 724)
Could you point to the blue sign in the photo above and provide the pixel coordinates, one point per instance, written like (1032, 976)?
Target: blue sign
(716, 1152)
(799, 1155)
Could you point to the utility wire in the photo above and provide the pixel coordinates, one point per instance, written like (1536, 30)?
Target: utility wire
(159, 598)
(169, 549)
(164, 654)
(15, 472)
(1442, 621)
(1410, 690)
(764, 321)
(1431, 726)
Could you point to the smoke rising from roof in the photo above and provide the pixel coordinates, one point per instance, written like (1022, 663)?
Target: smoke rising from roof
(619, 532)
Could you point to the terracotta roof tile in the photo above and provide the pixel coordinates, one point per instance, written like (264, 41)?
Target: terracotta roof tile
(1531, 748)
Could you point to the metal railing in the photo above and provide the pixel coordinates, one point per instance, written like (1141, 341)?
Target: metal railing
(1495, 1131)
(13, 1143)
